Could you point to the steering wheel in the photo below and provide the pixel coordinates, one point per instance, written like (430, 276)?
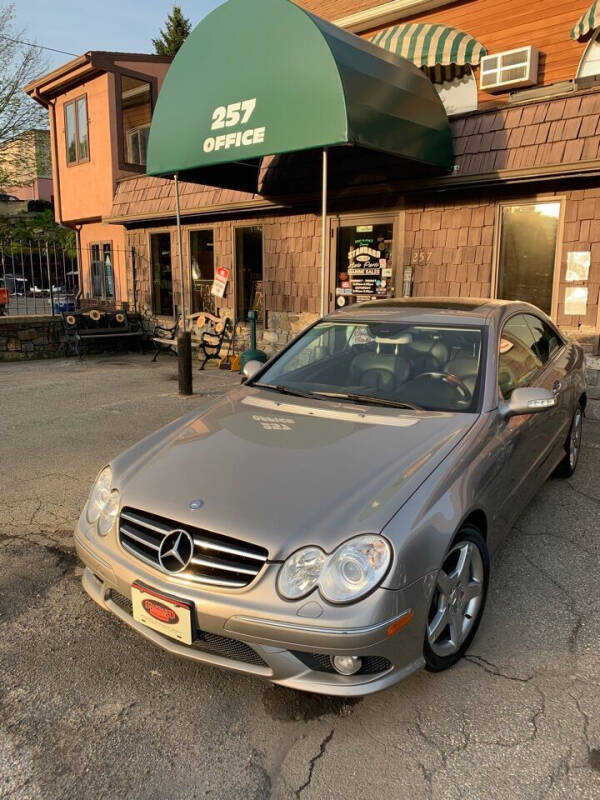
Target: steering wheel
(376, 378)
(454, 380)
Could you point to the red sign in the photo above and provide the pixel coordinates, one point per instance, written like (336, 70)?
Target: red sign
(220, 281)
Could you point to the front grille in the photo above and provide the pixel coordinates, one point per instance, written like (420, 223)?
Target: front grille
(207, 642)
(371, 665)
(216, 560)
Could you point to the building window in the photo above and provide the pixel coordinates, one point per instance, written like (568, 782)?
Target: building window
(528, 239)
(76, 131)
(103, 276)
(249, 272)
(202, 270)
(456, 86)
(136, 115)
(162, 275)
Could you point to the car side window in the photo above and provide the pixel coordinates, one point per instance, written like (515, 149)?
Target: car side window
(547, 341)
(518, 359)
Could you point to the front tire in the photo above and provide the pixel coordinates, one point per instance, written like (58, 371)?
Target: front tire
(458, 600)
(568, 465)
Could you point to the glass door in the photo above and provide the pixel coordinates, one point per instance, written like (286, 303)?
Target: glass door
(162, 278)
(364, 262)
(249, 272)
(528, 238)
(202, 270)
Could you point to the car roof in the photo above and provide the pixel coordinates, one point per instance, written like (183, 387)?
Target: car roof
(431, 310)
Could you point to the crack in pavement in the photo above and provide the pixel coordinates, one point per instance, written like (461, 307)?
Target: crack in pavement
(492, 669)
(313, 761)
(571, 604)
(583, 494)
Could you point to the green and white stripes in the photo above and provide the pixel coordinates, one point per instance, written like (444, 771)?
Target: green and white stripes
(428, 44)
(587, 22)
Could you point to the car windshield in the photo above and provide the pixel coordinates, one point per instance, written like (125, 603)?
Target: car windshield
(432, 367)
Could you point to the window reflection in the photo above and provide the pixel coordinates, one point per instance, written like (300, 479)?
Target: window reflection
(528, 253)
(136, 115)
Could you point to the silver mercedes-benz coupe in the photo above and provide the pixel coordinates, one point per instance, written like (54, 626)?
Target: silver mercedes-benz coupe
(328, 524)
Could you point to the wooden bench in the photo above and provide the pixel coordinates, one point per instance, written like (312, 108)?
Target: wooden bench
(99, 324)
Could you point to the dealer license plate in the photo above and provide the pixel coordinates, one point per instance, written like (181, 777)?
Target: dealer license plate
(162, 613)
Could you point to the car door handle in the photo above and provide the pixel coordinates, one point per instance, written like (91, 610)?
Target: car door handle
(557, 387)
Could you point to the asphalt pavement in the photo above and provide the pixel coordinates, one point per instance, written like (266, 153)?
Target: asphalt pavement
(90, 710)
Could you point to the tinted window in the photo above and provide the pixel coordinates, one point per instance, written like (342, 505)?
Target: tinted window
(518, 360)
(546, 339)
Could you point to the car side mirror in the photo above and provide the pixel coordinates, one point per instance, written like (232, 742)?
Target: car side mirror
(251, 368)
(528, 400)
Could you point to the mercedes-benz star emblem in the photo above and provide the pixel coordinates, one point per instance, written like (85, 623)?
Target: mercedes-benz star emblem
(176, 551)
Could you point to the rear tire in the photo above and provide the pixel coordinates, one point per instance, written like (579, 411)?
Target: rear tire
(568, 465)
(458, 600)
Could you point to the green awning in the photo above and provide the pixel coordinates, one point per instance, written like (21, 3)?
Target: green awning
(266, 77)
(588, 21)
(428, 44)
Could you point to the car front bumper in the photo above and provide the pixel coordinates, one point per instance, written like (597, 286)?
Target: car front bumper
(239, 631)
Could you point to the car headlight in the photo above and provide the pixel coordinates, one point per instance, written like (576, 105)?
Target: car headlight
(103, 504)
(350, 572)
(300, 573)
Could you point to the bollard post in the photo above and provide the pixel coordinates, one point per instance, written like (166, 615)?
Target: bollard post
(184, 359)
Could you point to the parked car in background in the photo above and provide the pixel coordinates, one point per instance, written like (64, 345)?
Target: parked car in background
(16, 284)
(328, 525)
(8, 198)
(4, 297)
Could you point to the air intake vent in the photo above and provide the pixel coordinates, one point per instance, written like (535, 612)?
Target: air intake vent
(509, 70)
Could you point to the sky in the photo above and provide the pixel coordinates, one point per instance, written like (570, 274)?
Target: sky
(121, 25)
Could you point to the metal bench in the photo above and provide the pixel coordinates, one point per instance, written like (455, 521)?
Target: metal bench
(96, 324)
(216, 334)
(209, 334)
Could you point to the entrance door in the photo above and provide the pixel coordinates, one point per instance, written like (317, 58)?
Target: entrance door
(202, 270)
(528, 238)
(162, 276)
(249, 272)
(364, 262)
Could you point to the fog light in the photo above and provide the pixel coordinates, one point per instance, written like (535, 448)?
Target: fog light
(346, 665)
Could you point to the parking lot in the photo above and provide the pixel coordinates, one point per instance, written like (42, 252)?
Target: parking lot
(89, 709)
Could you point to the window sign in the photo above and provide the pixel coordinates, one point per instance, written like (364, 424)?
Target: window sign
(576, 298)
(220, 281)
(578, 266)
(364, 263)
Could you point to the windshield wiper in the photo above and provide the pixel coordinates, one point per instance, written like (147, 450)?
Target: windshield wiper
(367, 399)
(283, 389)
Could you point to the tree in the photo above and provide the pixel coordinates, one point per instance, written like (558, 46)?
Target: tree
(19, 64)
(177, 29)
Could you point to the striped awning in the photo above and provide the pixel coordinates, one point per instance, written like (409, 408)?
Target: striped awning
(588, 21)
(428, 44)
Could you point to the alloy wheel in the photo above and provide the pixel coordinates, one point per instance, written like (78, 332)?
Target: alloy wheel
(575, 439)
(457, 599)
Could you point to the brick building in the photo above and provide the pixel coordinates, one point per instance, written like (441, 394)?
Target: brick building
(519, 217)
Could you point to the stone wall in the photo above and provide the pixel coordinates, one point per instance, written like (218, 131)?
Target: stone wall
(27, 337)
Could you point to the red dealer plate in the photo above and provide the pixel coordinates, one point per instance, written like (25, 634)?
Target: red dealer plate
(162, 613)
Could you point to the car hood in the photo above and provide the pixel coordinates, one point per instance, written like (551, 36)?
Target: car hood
(285, 472)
